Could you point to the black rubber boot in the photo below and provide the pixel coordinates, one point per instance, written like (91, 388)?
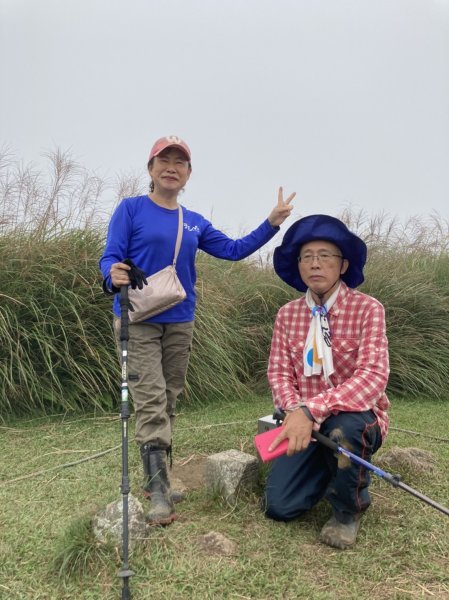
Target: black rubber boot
(157, 486)
(176, 495)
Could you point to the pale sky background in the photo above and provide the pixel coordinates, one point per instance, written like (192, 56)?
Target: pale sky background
(344, 101)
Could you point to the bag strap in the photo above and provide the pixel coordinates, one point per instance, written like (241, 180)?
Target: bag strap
(179, 236)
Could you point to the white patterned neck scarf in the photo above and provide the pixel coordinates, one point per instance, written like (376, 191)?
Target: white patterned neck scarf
(317, 354)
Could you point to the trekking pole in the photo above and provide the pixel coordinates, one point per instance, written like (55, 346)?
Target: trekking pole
(125, 573)
(394, 480)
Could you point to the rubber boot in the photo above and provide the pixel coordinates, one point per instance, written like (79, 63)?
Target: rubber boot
(157, 485)
(176, 495)
(340, 535)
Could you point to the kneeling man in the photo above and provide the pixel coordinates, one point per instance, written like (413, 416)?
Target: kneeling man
(328, 370)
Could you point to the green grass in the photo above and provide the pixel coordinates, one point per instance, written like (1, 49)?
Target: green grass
(47, 552)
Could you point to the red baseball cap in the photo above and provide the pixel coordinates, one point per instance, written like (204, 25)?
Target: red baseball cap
(168, 142)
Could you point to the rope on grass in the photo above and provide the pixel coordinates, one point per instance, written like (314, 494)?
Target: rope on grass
(99, 454)
(428, 435)
(16, 430)
(59, 467)
(432, 437)
(214, 425)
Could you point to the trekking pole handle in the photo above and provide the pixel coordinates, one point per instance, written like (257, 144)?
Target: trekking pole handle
(319, 437)
(124, 296)
(124, 307)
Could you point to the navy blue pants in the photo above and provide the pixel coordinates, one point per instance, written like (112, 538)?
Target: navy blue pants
(296, 483)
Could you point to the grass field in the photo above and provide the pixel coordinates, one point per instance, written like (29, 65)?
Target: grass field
(57, 356)
(46, 551)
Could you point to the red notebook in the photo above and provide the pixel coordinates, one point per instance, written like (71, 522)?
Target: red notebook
(263, 441)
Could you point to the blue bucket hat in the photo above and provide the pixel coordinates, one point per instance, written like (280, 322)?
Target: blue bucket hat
(319, 227)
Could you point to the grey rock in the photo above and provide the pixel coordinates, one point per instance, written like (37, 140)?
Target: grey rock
(108, 523)
(230, 472)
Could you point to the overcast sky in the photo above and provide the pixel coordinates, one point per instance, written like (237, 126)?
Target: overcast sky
(344, 101)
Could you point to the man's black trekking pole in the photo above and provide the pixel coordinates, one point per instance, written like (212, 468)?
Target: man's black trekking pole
(393, 479)
(125, 573)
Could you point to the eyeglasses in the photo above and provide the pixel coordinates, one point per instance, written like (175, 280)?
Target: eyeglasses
(323, 258)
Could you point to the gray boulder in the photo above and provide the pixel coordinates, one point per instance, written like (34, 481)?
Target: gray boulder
(230, 472)
(108, 523)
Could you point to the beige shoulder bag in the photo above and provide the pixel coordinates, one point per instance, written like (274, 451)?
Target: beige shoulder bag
(164, 290)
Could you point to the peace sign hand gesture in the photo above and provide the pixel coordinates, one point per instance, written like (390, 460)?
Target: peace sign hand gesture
(282, 210)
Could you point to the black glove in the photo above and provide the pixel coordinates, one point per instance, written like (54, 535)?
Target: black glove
(136, 276)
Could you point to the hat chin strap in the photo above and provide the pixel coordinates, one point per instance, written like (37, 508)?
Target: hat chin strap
(322, 294)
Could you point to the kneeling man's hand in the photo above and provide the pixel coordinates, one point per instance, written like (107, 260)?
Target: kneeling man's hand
(298, 430)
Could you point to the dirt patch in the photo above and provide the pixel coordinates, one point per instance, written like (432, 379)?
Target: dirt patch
(415, 459)
(189, 474)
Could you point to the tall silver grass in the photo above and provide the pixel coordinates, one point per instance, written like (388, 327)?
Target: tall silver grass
(56, 345)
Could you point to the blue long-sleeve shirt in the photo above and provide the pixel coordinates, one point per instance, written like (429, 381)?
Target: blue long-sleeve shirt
(146, 233)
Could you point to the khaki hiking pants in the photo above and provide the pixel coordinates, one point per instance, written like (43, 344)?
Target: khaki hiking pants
(158, 357)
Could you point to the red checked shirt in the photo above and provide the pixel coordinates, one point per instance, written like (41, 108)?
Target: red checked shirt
(360, 356)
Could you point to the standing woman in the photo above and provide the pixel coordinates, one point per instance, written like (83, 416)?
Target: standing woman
(144, 229)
